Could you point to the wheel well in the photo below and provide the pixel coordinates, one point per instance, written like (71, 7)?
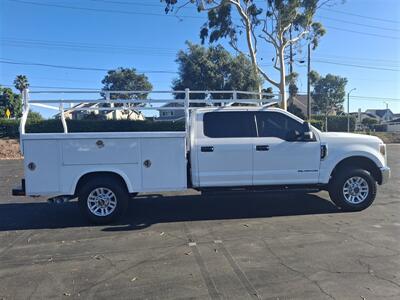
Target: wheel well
(362, 163)
(89, 176)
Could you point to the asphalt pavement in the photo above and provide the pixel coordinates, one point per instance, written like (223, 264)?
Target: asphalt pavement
(184, 245)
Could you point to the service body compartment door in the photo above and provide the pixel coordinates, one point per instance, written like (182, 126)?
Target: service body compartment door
(163, 164)
(100, 151)
(42, 177)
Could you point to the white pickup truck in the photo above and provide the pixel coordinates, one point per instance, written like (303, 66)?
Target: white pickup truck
(237, 147)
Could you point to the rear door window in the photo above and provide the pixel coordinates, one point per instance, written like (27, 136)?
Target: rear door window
(231, 124)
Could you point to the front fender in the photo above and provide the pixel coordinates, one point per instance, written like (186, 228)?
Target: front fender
(338, 154)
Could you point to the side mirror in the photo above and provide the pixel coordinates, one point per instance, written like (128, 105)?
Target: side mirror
(293, 135)
(308, 135)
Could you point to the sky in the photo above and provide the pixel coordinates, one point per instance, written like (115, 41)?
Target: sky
(85, 38)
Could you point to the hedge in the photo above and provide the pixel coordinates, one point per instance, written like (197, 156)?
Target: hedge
(335, 123)
(318, 124)
(9, 127)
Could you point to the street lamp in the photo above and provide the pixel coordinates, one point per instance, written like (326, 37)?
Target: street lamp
(348, 109)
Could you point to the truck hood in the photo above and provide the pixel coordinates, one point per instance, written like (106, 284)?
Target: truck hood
(344, 137)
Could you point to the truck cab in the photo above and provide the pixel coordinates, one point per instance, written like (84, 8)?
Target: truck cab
(253, 147)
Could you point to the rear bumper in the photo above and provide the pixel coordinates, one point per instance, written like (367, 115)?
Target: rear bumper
(385, 172)
(20, 191)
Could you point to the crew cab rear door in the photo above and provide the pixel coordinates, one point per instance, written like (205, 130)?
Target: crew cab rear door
(224, 149)
(278, 160)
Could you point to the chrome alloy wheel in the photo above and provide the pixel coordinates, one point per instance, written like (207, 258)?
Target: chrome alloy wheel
(355, 190)
(102, 202)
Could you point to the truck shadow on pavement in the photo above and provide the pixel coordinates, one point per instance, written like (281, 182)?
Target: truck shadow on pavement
(146, 210)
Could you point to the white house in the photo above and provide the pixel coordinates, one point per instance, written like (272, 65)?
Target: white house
(128, 114)
(382, 115)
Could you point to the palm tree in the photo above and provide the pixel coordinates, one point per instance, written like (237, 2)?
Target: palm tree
(21, 83)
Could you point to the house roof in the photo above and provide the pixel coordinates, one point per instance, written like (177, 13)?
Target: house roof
(395, 121)
(172, 104)
(85, 105)
(365, 114)
(170, 118)
(300, 101)
(378, 112)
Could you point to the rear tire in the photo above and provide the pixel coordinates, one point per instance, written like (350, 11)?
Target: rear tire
(352, 189)
(103, 199)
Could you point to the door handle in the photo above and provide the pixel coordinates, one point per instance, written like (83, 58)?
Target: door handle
(262, 147)
(207, 149)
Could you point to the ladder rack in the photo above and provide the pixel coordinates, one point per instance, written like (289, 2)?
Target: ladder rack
(130, 100)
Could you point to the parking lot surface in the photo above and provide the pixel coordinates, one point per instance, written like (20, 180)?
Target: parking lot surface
(184, 245)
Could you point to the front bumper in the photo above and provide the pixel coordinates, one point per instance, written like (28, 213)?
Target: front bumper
(385, 172)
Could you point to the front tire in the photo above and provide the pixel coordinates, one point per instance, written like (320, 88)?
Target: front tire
(352, 189)
(103, 199)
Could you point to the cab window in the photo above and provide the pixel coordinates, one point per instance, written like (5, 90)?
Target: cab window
(233, 124)
(274, 124)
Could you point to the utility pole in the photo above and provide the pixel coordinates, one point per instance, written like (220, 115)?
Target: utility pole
(291, 52)
(387, 104)
(309, 82)
(348, 109)
(326, 114)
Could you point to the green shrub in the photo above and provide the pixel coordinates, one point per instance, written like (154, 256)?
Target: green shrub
(335, 123)
(317, 123)
(380, 127)
(9, 127)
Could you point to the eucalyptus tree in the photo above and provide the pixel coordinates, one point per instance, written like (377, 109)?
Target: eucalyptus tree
(214, 68)
(248, 23)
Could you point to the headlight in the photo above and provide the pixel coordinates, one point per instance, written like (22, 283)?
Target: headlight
(382, 149)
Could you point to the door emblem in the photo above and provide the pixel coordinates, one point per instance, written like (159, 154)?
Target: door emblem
(147, 163)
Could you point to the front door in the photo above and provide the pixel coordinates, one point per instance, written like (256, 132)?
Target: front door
(224, 149)
(279, 160)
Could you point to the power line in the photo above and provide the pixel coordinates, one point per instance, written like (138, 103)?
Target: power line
(356, 66)
(360, 16)
(150, 50)
(366, 98)
(103, 10)
(359, 24)
(167, 15)
(5, 61)
(373, 97)
(129, 3)
(352, 58)
(8, 61)
(365, 33)
(13, 62)
(328, 18)
(85, 47)
(347, 65)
